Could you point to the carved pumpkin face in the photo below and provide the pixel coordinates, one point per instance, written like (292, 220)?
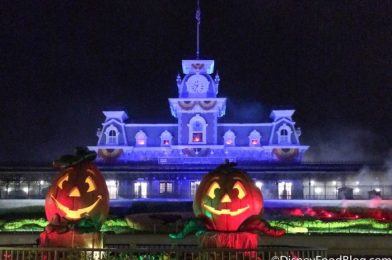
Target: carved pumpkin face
(79, 191)
(227, 198)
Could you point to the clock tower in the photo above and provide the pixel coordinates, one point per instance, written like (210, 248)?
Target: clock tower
(197, 107)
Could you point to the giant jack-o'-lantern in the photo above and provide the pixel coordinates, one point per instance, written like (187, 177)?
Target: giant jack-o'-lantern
(227, 197)
(79, 191)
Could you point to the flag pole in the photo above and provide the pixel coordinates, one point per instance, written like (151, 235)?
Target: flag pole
(198, 18)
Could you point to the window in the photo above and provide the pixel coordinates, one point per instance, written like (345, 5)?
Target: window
(141, 138)
(254, 138)
(140, 189)
(197, 130)
(112, 188)
(229, 138)
(284, 134)
(259, 184)
(194, 186)
(284, 190)
(166, 138)
(197, 137)
(111, 135)
(165, 187)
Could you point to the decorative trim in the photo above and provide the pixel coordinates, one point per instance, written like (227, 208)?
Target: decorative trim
(110, 155)
(285, 154)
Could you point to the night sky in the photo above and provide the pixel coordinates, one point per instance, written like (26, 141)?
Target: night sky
(63, 62)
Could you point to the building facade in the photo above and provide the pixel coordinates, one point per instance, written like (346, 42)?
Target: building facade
(153, 181)
(198, 137)
(168, 161)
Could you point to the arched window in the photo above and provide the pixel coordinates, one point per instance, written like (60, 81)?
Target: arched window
(140, 138)
(254, 138)
(284, 134)
(166, 138)
(111, 135)
(197, 130)
(229, 138)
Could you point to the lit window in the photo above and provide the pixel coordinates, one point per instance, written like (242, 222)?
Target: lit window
(141, 138)
(194, 186)
(166, 187)
(229, 138)
(197, 130)
(166, 138)
(284, 190)
(254, 138)
(197, 137)
(140, 189)
(112, 188)
(259, 184)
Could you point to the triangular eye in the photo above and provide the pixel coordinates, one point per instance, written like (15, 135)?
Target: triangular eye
(212, 188)
(61, 181)
(91, 184)
(241, 190)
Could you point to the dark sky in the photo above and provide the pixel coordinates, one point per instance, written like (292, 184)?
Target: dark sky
(63, 62)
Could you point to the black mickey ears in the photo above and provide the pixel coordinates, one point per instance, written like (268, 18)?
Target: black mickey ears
(82, 154)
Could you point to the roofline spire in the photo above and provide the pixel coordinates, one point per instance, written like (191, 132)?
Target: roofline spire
(198, 19)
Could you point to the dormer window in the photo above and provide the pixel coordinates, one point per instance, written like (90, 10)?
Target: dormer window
(284, 134)
(166, 138)
(141, 138)
(197, 130)
(229, 138)
(111, 135)
(254, 138)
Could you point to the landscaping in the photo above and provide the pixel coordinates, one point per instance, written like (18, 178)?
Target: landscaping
(315, 221)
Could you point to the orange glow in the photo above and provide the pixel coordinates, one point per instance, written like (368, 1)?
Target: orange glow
(225, 211)
(197, 137)
(74, 192)
(91, 184)
(254, 141)
(211, 191)
(75, 214)
(61, 181)
(241, 190)
(226, 199)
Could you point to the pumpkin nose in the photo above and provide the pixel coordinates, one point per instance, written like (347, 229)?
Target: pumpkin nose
(74, 192)
(225, 198)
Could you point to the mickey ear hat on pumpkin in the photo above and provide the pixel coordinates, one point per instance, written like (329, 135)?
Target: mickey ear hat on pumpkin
(82, 154)
(227, 167)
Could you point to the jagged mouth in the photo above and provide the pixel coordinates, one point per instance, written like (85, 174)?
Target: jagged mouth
(75, 214)
(225, 211)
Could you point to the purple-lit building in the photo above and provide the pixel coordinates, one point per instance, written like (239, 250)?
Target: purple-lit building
(198, 137)
(167, 161)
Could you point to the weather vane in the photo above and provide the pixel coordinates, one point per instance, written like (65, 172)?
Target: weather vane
(198, 16)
